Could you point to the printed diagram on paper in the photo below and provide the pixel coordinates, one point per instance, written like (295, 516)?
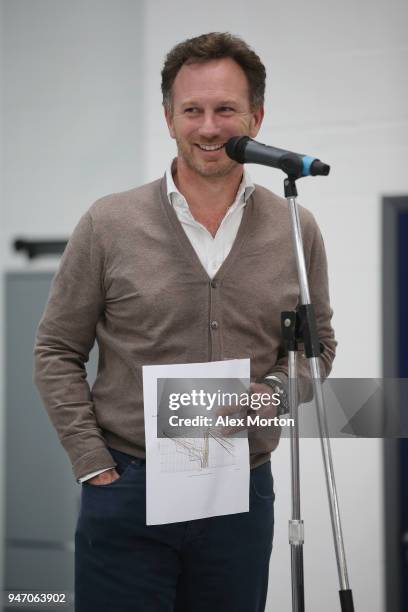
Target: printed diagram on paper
(196, 454)
(191, 478)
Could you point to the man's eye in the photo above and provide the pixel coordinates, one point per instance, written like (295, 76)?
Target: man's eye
(191, 110)
(226, 109)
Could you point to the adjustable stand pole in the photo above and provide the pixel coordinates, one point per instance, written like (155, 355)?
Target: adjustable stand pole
(310, 339)
(296, 537)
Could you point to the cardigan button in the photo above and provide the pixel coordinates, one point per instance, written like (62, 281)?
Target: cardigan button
(214, 284)
(214, 324)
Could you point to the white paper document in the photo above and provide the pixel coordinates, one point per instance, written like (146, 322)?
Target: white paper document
(197, 477)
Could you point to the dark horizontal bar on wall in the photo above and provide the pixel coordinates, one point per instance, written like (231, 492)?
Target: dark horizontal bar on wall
(39, 248)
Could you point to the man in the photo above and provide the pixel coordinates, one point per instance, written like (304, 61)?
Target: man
(193, 267)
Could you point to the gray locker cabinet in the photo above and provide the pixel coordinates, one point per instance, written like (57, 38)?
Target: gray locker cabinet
(42, 497)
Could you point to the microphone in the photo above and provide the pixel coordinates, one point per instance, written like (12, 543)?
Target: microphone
(245, 150)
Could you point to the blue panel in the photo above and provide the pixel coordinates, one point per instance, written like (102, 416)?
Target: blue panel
(403, 373)
(403, 293)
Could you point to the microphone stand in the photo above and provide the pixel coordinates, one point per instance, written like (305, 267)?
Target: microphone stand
(301, 326)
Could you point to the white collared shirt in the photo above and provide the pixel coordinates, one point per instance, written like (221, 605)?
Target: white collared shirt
(211, 251)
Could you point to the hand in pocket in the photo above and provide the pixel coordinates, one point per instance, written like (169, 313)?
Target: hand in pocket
(104, 478)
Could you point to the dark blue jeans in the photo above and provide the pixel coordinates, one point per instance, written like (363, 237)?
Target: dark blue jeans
(218, 564)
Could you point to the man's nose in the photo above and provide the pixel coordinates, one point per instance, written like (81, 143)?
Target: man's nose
(209, 126)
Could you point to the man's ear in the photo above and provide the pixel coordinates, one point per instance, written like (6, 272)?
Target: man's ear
(256, 121)
(169, 120)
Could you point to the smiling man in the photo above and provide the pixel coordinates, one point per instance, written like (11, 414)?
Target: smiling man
(208, 103)
(193, 267)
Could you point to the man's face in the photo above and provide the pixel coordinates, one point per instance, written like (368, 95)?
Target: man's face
(210, 105)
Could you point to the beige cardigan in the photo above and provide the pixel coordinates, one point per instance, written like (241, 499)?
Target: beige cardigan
(130, 279)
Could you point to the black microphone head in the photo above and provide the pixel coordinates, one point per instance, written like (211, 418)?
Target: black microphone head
(235, 148)
(318, 168)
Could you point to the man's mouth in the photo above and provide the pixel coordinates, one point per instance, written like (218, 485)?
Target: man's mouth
(214, 147)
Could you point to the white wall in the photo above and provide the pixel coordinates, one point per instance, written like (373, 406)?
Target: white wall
(73, 129)
(337, 85)
(79, 94)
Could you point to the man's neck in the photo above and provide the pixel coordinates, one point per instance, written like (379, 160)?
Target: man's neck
(208, 197)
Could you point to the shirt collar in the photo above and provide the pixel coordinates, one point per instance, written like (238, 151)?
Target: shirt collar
(245, 190)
